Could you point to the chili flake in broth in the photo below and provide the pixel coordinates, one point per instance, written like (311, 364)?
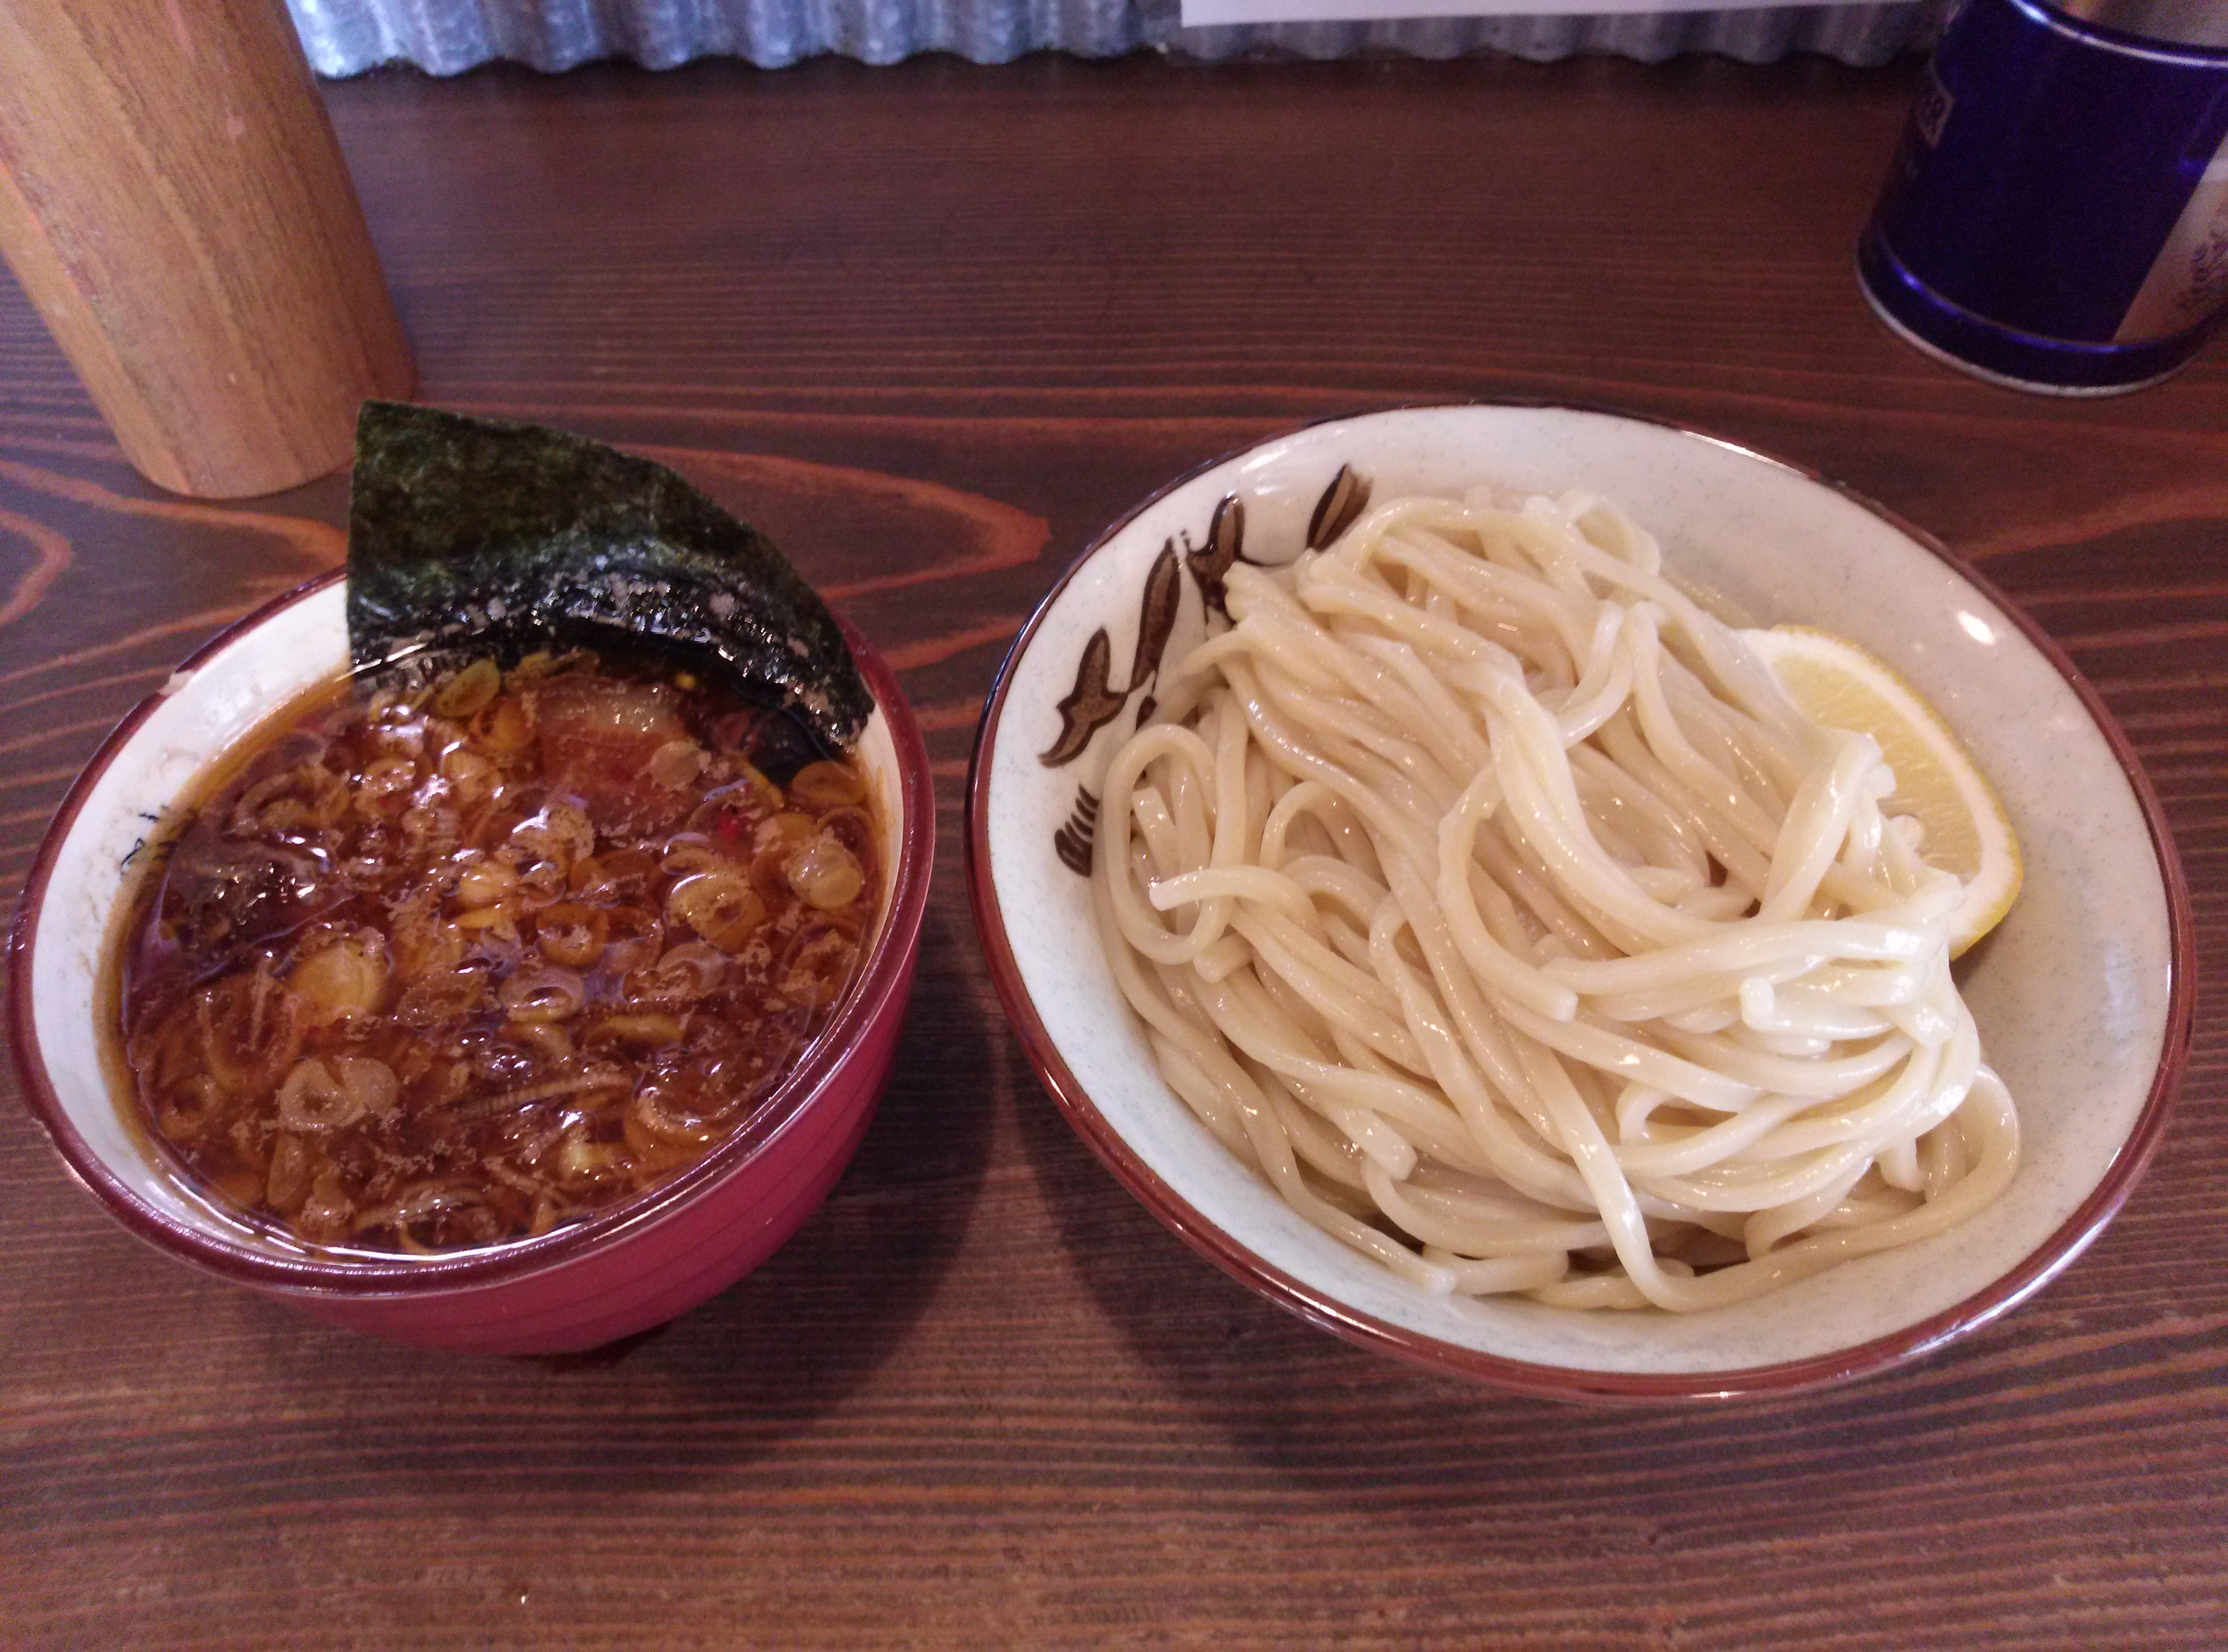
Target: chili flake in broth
(448, 962)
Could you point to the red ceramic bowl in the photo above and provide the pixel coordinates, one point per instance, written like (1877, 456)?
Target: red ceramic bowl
(621, 1271)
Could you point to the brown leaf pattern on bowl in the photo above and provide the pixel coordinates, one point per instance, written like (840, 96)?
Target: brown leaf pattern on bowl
(1094, 702)
(1226, 540)
(1342, 502)
(1072, 842)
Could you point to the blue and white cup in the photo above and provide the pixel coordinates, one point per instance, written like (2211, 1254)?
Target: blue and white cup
(2057, 216)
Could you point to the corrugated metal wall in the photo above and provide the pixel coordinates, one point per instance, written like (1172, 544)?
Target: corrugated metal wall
(446, 36)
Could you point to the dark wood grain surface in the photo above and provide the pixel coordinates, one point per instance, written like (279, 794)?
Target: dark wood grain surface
(934, 326)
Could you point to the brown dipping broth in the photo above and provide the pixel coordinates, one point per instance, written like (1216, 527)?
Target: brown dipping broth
(452, 959)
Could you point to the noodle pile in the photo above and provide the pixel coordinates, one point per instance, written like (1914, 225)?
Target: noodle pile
(1495, 902)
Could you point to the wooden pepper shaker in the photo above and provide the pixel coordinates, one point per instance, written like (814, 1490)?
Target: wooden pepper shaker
(173, 200)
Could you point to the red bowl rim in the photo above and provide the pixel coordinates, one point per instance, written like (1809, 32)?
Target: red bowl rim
(1563, 1382)
(885, 977)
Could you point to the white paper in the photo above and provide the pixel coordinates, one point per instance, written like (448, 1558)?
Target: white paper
(1201, 13)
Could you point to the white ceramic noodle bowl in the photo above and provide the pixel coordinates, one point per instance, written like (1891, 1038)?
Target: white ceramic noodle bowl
(2082, 995)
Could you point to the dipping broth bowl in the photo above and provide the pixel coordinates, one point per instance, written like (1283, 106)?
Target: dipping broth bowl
(621, 1269)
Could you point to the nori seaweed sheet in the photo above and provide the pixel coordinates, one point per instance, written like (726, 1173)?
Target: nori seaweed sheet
(505, 538)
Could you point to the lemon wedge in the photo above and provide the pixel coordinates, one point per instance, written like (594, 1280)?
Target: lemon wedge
(1964, 830)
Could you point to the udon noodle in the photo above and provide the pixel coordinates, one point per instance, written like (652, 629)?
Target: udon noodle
(1494, 901)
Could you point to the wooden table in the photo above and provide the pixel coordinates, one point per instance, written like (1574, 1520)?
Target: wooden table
(933, 326)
